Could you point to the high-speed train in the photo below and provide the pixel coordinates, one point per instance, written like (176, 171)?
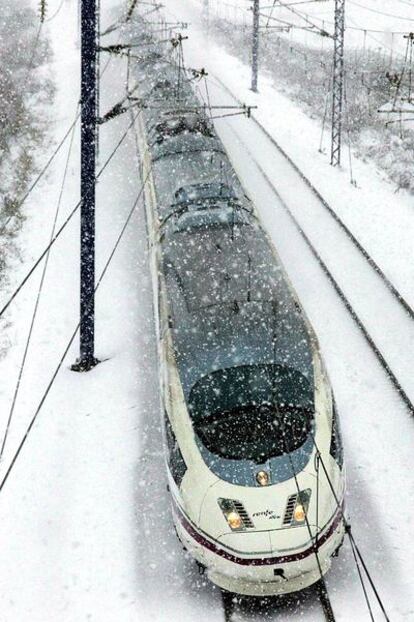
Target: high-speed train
(248, 413)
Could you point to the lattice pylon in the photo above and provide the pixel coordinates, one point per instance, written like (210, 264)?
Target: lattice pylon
(338, 82)
(255, 45)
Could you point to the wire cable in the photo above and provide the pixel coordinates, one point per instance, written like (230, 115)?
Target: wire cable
(361, 580)
(314, 540)
(71, 340)
(282, 431)
(361, 29)
(36, 306)
(40, 175)
(56, 12)
(271, 13)
(368, 33)
(361, 6)
(301, 15)
(312, 28)
(53, 238)
(348, 529)
(63, 226)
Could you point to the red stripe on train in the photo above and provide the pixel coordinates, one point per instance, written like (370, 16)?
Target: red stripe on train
(254, 561)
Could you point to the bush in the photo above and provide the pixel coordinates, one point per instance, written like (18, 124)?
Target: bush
(23, 88)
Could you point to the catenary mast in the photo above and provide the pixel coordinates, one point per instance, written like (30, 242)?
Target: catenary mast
(87, 358)
(338, 82)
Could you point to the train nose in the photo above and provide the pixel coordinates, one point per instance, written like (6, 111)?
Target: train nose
(240, 517)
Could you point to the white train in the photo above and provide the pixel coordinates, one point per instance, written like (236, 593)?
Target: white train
(247, 403)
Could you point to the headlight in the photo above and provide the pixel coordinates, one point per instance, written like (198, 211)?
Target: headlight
(234, 520)
(299, 514)
(262, 478)
(301, 507)
(297, 508)
(231, 514)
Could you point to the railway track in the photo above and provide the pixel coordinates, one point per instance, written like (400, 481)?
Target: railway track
(325, 601)
(231, 603)
(400, 312)
(372, 263)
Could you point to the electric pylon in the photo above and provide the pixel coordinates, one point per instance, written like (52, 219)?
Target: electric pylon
(255, 45)
(338, 82)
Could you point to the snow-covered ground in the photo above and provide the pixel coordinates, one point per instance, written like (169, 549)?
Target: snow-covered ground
(86, 529)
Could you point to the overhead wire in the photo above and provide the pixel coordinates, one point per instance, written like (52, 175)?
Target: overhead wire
(54, 236)
(367, 31)
(282, 431)
(378, 12)
(373, 38)
(301, 15)
(56, 12)
(348, 529)
(319, 19)
(271, 12)
(40, 175)
(355, 27)
(36, 306)
(64, 225)
(313, 540)
(361, 580)
(312, 28)
(70, 342)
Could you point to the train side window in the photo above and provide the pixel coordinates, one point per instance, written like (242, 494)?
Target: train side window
(336, 449)
(176, 462)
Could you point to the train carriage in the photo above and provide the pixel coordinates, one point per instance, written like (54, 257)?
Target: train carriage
(247, 407)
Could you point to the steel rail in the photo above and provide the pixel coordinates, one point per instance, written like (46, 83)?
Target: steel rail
(322, 593)
(230, 601)
(394, 291)
(392, 377)
(380, 357)
(227, 599)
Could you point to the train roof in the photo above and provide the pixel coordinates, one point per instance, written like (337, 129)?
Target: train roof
(192, 160)
(188, 144)
(230, 303)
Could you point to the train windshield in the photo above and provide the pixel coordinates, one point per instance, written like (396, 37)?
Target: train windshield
(252, 412)
(202, 192)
